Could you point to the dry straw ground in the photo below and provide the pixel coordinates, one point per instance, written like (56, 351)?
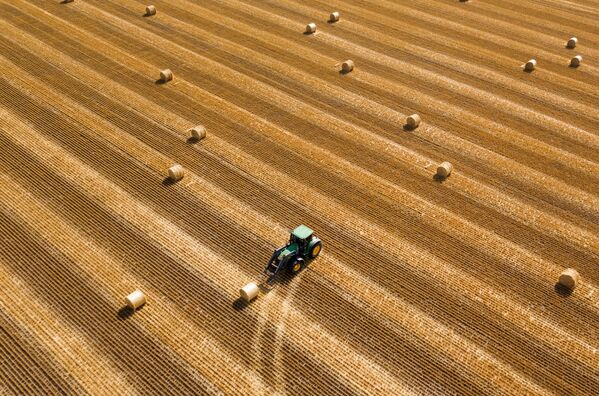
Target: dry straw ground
(424, 286)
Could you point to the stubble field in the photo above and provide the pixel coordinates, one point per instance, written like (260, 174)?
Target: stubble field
(423, 287)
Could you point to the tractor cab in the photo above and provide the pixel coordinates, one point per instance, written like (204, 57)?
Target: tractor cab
(301, 235)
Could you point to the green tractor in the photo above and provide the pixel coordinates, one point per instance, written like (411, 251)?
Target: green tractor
(302, 247)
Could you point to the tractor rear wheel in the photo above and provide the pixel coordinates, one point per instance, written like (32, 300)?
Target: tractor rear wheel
(315, 250)
(295, 265)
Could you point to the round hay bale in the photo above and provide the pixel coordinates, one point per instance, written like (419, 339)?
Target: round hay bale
(176, 172)
(249, 292)
(347, 66)
(575, 62)
(444, 169)
(572, 42)
(530, 65)
(569, 278)
(311, 28)
(166, 75)
(135, 300)
(198, 132)
(150, 10)
(413, 121)
(334, 17)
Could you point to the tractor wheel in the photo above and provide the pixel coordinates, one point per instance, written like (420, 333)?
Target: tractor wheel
(296, 265)
(315, 250)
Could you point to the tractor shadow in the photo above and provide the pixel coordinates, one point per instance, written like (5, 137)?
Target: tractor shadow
(562, 290)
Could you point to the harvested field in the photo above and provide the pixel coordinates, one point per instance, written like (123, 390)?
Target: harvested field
(425, 285)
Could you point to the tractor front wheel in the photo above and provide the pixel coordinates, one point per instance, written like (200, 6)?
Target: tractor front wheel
(315, 250)
(296, 265)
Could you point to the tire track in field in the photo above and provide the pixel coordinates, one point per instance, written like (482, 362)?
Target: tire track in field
(122, 238)
(163, 319)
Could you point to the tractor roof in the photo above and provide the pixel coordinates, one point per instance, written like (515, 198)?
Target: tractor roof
(302, 232)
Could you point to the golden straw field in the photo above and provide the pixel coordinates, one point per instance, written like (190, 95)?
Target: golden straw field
(425, 285)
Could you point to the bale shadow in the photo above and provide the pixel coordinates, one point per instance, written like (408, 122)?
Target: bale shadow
(160, 81)
(408, 128)
(439, 179)
(343, 72)
(573, 66)
(308, 33)
(240, 305)
(167, 181)
(192, 140)
(66, 1)
(562, 290)
(527, 71)
(125, 313)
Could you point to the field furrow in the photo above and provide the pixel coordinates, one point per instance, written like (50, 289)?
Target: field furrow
(425, 286)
